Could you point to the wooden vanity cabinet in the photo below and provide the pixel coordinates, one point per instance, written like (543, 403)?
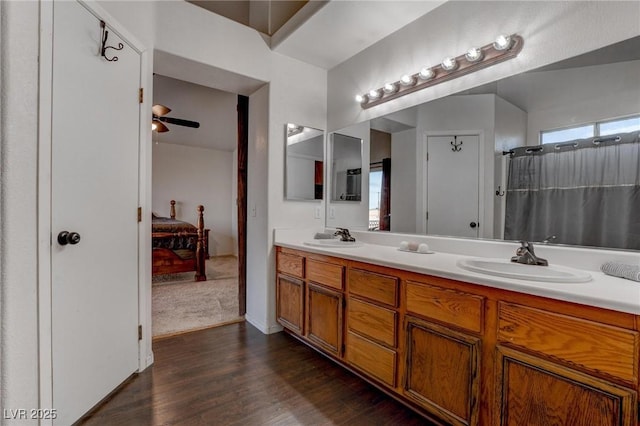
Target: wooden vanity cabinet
(534, 391)
(460, 353)
(310, 298)
(372, 325)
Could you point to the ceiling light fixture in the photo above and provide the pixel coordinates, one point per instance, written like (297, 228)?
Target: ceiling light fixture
(473, 55)
(449, 64)
(504, 47)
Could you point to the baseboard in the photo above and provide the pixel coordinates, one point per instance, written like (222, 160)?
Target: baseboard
(263, 327)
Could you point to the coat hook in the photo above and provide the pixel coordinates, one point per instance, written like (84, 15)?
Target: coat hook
(499, 193)
(104, 47)
(455, 145)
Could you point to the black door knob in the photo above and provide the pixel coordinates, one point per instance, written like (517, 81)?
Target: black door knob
(473, 224)
(66, 237)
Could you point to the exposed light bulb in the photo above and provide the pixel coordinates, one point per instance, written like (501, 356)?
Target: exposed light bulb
(407, 80)
(473, 55)
(449, 63)
(502, 42)
(291, 126)
(359, 99)
(426, 73)
(374, 94)
(390, 88)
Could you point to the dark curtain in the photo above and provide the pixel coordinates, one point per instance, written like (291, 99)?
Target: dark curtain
(583, 194)
(385, 196)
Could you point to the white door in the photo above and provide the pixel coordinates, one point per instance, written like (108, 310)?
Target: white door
(452, 185)
(95, 138)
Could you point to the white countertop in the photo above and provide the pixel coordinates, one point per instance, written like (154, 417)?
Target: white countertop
(602, 291)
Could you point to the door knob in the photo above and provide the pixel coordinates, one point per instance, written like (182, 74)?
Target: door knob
(473, 224)
(66, 237)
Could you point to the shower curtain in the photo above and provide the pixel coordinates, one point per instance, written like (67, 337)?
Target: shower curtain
(584, 192)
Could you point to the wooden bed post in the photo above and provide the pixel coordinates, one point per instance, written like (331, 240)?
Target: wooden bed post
(172, 212)
(200, 248)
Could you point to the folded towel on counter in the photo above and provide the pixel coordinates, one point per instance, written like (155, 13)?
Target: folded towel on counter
(622, 270)
(323, 236)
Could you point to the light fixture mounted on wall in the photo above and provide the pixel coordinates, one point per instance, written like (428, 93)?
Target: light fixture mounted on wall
(505, 47)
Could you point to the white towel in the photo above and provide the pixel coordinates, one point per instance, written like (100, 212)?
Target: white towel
(622, 270)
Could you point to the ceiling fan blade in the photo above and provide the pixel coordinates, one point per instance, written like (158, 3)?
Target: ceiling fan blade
(180, 122)
(159, 110)
(160, 127)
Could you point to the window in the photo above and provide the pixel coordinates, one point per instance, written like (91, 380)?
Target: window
(375, 189)
(630, 124)
(602, 128)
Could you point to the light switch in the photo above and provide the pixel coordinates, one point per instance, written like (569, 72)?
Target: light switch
(318, 212)
(332, 212)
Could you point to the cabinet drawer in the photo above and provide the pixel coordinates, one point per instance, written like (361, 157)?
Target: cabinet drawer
(377, 287)
(290, 264)
(325, 273)
(449, 306)
(597, 347)
(371, 358)
(372, 321)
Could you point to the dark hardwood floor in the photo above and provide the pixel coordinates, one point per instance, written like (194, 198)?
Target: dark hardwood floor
(235, 375)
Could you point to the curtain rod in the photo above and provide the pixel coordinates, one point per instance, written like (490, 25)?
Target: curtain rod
(632, 137)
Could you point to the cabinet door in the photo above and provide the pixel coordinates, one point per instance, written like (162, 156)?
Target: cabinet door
(290, 303)
(442, 371)
(324, 318)
(532, 391)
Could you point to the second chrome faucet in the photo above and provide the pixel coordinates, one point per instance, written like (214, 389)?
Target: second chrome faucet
(526, 255)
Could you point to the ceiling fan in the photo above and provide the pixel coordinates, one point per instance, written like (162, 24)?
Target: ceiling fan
(158, 119)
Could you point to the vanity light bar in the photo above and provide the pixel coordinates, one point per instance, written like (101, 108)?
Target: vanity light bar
(504, 48)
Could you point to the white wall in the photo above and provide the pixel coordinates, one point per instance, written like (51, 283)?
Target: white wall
(403, 181)
(573, 96)
(551, 30)
(18, 213)
(192, 176)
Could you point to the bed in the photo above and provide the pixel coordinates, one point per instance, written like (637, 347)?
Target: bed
(179, 246)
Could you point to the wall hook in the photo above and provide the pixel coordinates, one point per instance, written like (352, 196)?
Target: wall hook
(104, 47)
(455, 146)
(499, 192)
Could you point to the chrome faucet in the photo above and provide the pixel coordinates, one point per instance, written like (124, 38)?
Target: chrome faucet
(344, 234)
(525, 254)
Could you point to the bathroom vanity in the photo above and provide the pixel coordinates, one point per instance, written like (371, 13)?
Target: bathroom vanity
(461, 348)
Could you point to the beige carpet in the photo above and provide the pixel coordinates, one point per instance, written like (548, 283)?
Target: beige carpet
(180, 304)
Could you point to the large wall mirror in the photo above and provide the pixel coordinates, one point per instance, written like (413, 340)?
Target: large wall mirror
(346, 168)
(304, 163)
(476, 164)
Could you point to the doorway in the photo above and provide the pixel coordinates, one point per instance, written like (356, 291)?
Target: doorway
(199, 163)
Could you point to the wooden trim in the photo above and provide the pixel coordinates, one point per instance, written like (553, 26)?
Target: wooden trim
(243, 149)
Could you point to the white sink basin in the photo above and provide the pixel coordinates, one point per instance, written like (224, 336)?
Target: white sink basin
(333, 243)
(508, 269)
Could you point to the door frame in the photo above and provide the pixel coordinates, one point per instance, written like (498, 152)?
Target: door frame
(44, 231)
(422, 185)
